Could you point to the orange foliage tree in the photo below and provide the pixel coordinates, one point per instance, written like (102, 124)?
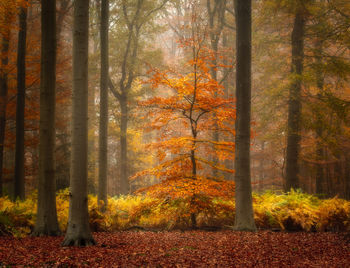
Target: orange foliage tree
(191, 107)
(8, 72)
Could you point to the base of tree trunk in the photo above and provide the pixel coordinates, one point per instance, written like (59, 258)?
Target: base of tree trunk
(244, 228)
(78, 241)
(45, 232)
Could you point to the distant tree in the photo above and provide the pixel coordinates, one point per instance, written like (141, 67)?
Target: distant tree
(7, 13)
(216, 13)
(244, 219)
(21, 95)
(294, 101)
(103, 133)
(135, 17)
(78, 229)
(46, 221)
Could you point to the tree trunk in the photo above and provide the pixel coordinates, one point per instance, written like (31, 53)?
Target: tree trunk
(124, 181)
(21, 92)
(229, 164)
(244, 220)
(319, 121)
(215, 30)
(319, 133)
(294, 105)
(3, 101)
(78, 230)
(46, 222)
(103, 134)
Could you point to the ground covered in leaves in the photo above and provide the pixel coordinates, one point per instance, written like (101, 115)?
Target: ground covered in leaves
(182, 249)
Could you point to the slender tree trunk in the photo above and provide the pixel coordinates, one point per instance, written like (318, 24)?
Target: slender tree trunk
(216, 135)
(229, 164)
(3, 101)
(244, 220)
(21, 92)
(78, 230)
(103, 134)
(194, 177)
(319, 125)
(46, 222)
(294, 105)
(124, 181)
(214, 12)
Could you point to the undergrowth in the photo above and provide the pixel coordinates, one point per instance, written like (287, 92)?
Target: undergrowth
(294, 211)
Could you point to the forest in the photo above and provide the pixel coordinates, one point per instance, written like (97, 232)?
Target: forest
(174, 133)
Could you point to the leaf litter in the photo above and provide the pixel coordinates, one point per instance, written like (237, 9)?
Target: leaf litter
(181, 249)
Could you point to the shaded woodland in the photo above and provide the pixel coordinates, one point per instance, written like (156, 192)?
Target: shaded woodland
(155, 115)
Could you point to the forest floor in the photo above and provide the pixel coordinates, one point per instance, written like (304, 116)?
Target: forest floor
(182, 249)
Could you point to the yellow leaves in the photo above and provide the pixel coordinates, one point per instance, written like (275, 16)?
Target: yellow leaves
(169, 205)
(334, 215)
(292, 211)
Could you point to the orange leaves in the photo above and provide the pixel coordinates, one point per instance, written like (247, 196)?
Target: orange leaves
(185, 188)
(187, 110)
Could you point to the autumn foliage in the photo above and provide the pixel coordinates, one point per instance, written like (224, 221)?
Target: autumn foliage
(187, 110)
(294, 211)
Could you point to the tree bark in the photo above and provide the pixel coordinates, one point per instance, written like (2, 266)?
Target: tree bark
(3, 101)
(103, 133)
(46, 222)
(78, 230)
(244, 219)
(21, 92)
(294, 105)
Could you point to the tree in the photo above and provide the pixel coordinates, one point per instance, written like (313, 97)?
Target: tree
(244, 220)
(46, 222)
(135, 17)
(21, 95)
(3, 100)
(185, 116)
(216, 13)
(78, 230)
(103, 133)
(294, 103)
(325, 71)
(5, 42)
